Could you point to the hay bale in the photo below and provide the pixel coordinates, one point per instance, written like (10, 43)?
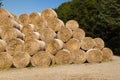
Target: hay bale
(54, 46)
(2, 45)
(99, 43)
(79, 34)
(19, 34)
(5, 60)
(87, 43)
(55, 24)
(63, 57)
(94, 55)
(64, 34)
(33, 46)
(72, 24)
(72, 44)
(14, 45)
(47, 35)
(28, 28)
(107, 54)
(41, 59)
(17, 25)
(23, 19)
(78, 56)
(21, 59)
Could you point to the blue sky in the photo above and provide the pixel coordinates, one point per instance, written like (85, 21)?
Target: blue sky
(28, 6)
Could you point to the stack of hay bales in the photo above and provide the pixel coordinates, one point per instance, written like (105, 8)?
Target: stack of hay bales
(43, 40)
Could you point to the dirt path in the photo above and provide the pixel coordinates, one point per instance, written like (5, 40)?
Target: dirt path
(102, 71)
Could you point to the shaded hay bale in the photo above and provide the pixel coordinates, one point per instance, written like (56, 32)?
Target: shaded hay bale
(28, 28)
(78, 56)
(33, 46)
(87, 43)
(5, 60)
(94, 55)
(79, 34)
(21, 59)
(99, 43)
(72, 24)
(63, 57)
(53, 46)
(2, 45)
(64, 34)
(23, 19)
(107, 54)
(41, 59)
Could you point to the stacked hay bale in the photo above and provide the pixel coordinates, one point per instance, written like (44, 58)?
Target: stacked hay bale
(43, 40)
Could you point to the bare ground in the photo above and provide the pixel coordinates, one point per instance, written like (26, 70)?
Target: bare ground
(102, 71)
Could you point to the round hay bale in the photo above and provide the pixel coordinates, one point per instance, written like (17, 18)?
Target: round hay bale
(17, 25)
(21, 59)
(79, 34)
(99, 43)
(53, 46)
(72, 24)
(72, 44)
(14, 45)
(87, 43)
(2, 45)
(5, 60)
(107, 54)
(78, 56)
(63, 57)
(94, 55)
(24, 19)
(52, 59)
(41, 59)
(64, 34)
(47, 35)
(48, 13)
(19, 34)
(28, 28)
(33, 46)
(55, 24)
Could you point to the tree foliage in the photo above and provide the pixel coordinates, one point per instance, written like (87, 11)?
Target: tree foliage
(1, 4)
(99, 18)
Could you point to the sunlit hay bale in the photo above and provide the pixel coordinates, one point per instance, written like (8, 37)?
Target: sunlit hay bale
(64, 34)
(2, 45)
(14, 16)
(94, 55)
(87, 43)
(99, 43)
(33, 46)
(19, 34)
(52, 58)
(79, 34)
(14, 45)
(72, 24)
(28, 28)
(107, 54)
(47, 35)
(72, 44)
(55, 24)
(5, 60)
(21, 59)
(63, 57)
(32, 35)
(17, 25)
(41, 59)
(48, 13)
(23, 19)
(78, 56)
(54, 46)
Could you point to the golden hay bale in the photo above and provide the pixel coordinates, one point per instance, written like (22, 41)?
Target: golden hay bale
(53, 46)
(55, 24)
(23, 19)
(2, 45)
(48, 13)
(21, 59)
(17, 25)
(33, 46)
(94, 55)
(14, 45)
(64, 34)
(99, 43)
(63, 57)
(47, 35)
(5, 60)
(41, 59)
(72, 24)
(19, 34)
(72, 44)
(52, 59)
(79, 34)
(27, 28)
(107, 54)
(87, 43)
(78, 56)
